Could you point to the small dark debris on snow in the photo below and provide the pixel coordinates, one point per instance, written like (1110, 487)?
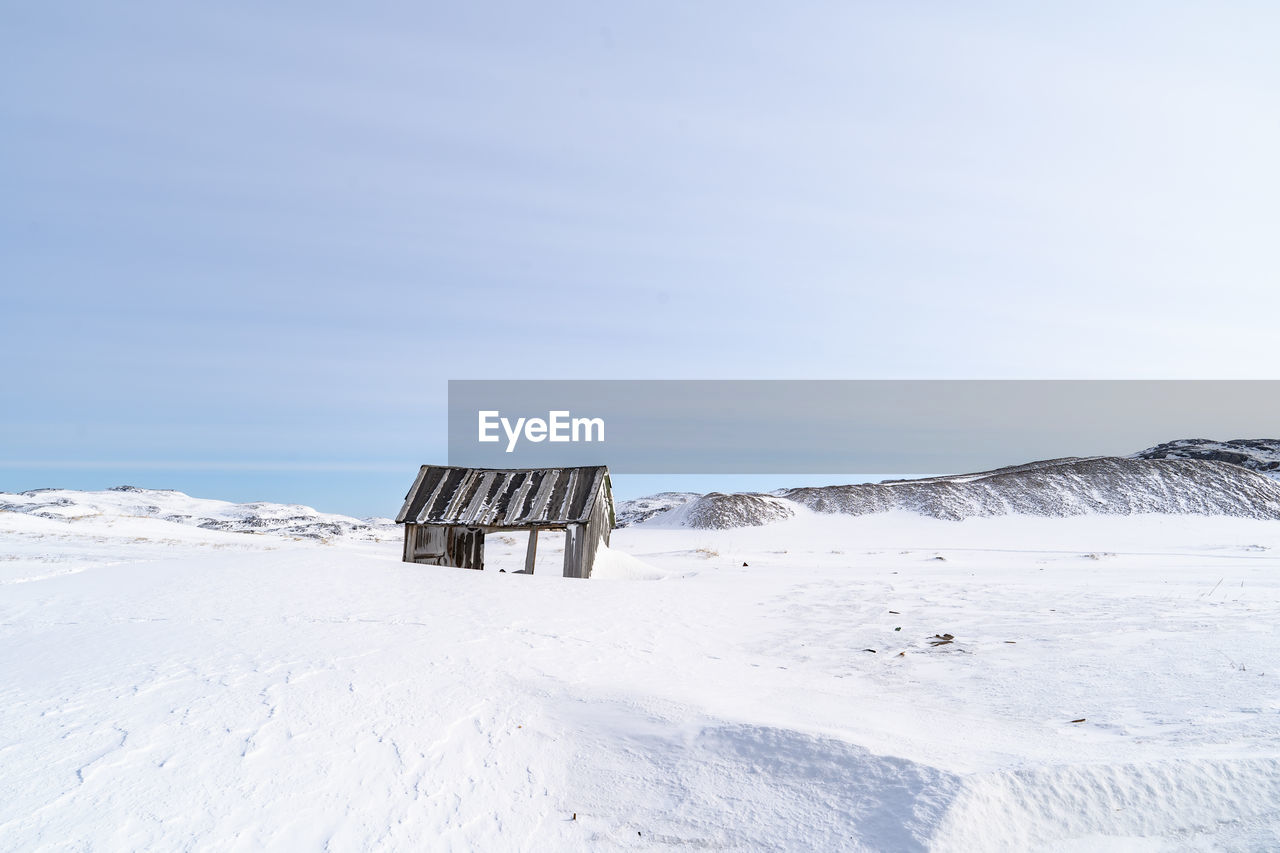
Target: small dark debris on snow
(744, 565)
(1081, 720)
(873, 651)
(895, 613)
(941, 639)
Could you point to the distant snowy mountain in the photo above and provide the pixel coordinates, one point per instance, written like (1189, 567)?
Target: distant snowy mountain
(718, 511)
(1256, 454)
(1238, 478)
(290, 520)
(1050, 488)
(1065, 487)
(641, 509)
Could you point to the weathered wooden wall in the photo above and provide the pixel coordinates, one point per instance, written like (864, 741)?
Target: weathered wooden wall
(437, 545)
(582, 540)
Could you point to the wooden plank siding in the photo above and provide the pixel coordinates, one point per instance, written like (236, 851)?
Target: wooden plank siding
(434, 545)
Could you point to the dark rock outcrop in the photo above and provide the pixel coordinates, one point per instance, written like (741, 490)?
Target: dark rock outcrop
(1255, 454)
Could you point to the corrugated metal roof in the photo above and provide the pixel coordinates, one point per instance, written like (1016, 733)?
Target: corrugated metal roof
(487, 497)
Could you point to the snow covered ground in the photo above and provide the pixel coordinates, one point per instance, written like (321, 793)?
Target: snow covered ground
(1111, 684)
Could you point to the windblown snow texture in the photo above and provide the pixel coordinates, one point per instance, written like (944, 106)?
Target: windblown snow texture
(1109, 684)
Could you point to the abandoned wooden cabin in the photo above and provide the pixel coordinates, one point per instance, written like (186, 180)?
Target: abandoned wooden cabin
(449, 510)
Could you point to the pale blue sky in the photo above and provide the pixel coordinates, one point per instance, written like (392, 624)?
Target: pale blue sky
(243, 249)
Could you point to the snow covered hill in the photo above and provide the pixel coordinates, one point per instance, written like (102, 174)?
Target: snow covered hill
(1053, 488)
(637, 510)
(1256, 454)
(822, 682)
(165, 505)
(718, 511)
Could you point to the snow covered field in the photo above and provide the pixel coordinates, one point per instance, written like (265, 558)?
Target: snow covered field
(1111, 684)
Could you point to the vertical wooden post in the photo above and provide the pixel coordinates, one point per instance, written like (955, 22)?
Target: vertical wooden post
(573, 542)
(531, 554)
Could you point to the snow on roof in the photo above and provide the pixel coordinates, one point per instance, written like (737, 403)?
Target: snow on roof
(487, 497)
